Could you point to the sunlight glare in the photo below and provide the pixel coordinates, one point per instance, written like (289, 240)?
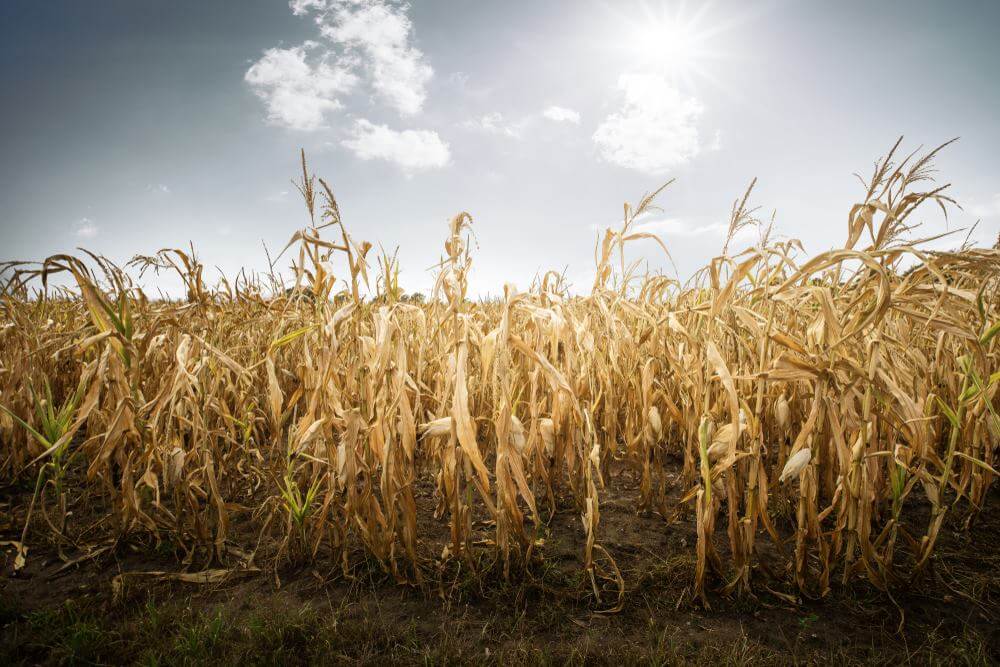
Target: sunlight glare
(670, 44)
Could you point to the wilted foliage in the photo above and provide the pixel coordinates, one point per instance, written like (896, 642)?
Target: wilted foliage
(857, 386)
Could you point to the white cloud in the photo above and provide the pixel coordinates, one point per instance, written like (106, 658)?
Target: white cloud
(716, 144)
(655, 130)
(362, 38)
(298, 93)
(85, 229)
(459, 80)
(411, 150)
(562, 115)
(988, 209)
(160, 188)
(678, 228)
(493, 123)
(380, 33)
(303, 7)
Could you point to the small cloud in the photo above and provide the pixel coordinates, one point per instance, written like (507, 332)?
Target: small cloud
(85, 229)
(989, 209)
(562, 115)
(459, 80)
(493, 123)
(655, 130)
(303, 7)
(158, 188)
(411, 150)
(468, 87)
(716, 144)
(277, 197)
(677, 228)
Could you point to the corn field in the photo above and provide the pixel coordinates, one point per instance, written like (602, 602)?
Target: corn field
(822, 419)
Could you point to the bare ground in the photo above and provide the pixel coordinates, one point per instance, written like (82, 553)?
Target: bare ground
(543, 613)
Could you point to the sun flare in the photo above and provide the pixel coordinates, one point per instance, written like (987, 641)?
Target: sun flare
(669, 43)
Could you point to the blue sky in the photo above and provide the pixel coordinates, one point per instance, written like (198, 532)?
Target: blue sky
(135, 125)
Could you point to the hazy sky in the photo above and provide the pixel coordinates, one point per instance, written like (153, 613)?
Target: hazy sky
(132, 125)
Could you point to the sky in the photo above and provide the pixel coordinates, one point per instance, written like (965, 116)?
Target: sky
(134, 125)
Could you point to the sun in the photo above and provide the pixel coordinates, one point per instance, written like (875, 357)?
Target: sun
(678, 40)
(672, 44)
(668, 43)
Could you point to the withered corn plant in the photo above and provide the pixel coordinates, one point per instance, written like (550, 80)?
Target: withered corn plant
(801, 411)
